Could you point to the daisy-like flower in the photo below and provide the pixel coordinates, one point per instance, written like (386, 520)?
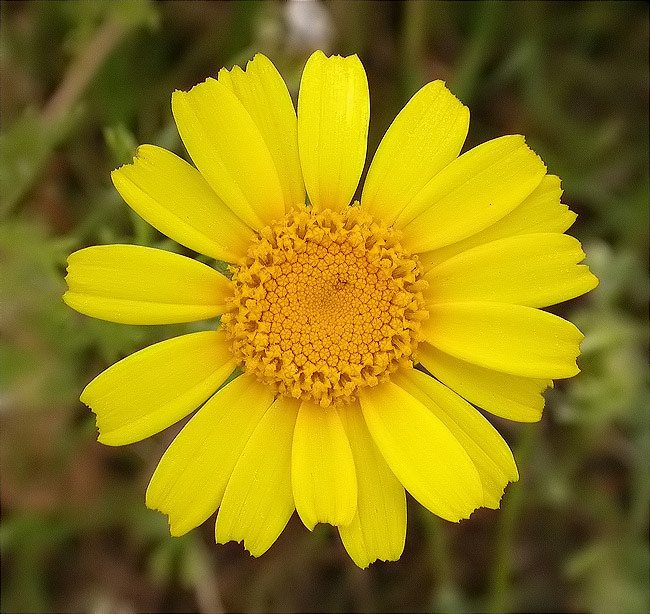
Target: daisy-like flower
(365, 331)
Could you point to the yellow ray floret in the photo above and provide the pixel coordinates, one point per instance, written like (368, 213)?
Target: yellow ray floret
(509, 396)
(537, 270)
(222, 138)
(422, 452)
(426, 136)
(192, 475)
(258, 500)
(263, 93)
(487, 450)
(471, 193)
(141, 285)
(152, 389)
(175, 198)
(322, 468)
(378, 529)
(541, 211)
(333, 115)
(510, 338)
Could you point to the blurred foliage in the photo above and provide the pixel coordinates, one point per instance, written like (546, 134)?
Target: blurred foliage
(83, 82)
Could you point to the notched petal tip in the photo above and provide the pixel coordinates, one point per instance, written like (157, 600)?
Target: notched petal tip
(308, 522)
(366, 562)
(185, 97)
(440, 83)
(257, 59)
(208, 82)
(320, 55)
(515, 138)
(494, 503)
(223, 71)
(140, 155)
(150, 503)
(159, 506)
(518, 140)
(117, 171)
(467, 515)
(101, 437)
(539, 158)
(571, 217)
(352, 57)
(85, 398)
(252, 550)
(174, 529)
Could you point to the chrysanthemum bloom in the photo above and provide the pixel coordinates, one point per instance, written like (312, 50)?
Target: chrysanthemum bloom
(363, 330)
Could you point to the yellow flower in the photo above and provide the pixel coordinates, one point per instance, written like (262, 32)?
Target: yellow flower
(364, 330)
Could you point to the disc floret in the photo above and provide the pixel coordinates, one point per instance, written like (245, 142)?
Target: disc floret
(324, 304)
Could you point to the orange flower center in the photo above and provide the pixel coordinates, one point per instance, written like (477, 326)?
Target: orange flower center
(324, 304)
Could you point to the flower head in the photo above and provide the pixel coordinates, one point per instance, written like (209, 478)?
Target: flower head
(364, 330)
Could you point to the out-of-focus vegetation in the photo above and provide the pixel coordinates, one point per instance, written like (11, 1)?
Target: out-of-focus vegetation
(83, 82)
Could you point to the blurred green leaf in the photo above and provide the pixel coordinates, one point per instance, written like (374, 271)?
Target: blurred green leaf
(121, 144)
(615, 575)
(25, 147)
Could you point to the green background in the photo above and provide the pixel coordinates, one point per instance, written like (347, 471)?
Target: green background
(83, 83)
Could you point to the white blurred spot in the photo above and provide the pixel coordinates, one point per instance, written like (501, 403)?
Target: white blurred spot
(309, 25)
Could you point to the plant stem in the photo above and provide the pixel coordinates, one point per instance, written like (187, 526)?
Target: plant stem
(499, 587)
(413, 36)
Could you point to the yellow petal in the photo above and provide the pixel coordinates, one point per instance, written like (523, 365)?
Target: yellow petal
(542, 211)
(265, 96)
(378, 529)
(510, 338)
(485, 447)
(427, 135)
(508, 396)
(142, 285)
(228, 149)
(322, 468)
(333, 115)
(152, 389)
(536, 270)
(174, 198)
(190, 479)
(470, 193)
(258, 501)
(421, 451)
